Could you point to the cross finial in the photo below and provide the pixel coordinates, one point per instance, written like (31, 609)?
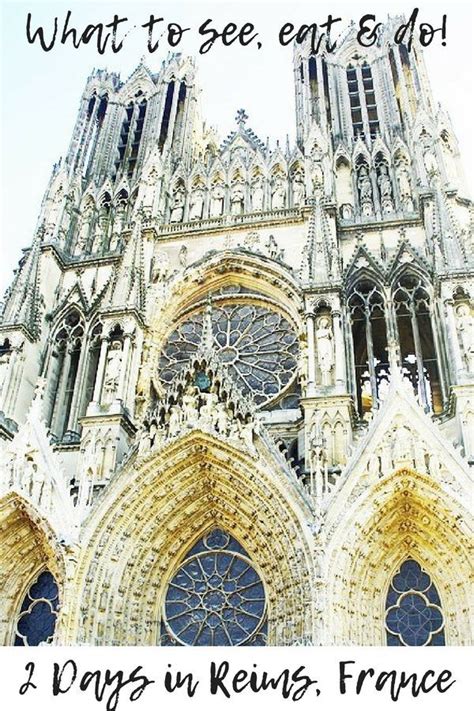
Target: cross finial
(241, 117)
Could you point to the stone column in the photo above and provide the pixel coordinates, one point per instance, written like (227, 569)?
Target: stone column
(453, 338)
(119, 395)
(59, 400)
(311, 352)
(339, 351)
(78, 389)
(100, 370)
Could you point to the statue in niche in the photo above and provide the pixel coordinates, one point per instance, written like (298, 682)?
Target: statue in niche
(429, 159)
(149, 191)
(317, 168)
(325, 349)
(365, 191)
(402, 446)
(404, 187)
(177, 206)
(317, 458)
(237, 199)
(247, 430)
(190, 405)
(385, 188)
(196, 206)
(465, 326)
(112, 371)
(298, 189)
(257, 194)
(160, 267)
(278, 194)
(216, 207)
(85, 228)
(209, 408)
(34, 480)
(183, 256)
(222, 418)
(174, 423)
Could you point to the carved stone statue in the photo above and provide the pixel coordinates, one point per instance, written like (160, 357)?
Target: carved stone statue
(208, 410)
(112, 371)
(177, 207)
(237, 199)
(365, 191)
(257, 194)
(197, 204)
(85, 228)
(404, 186)
(174, 424)
(429, 160)
(465, 326)
(385, 188)
(183, 256)
(37, 482)
(298, 190)
(190, 405)
(222, 418)
(325, 349)
(216, 207)
(278, 194)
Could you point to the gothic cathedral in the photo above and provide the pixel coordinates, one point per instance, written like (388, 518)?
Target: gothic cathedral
(237, 378)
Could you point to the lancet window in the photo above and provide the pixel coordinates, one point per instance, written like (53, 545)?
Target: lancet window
(369, 335)
(166, 115)
(416, 341)
(215, 598)
(130, 135)
(63, 371)
(413, 613)
(36, 620)
(364, 115)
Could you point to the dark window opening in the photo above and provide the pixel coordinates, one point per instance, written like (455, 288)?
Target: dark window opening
(166, 115)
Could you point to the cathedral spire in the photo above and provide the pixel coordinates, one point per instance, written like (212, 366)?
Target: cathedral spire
(23, 300)
(127, 288)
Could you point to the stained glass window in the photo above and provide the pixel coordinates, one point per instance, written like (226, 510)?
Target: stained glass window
(258, 346)
(38, 613)
(216, 598)
(413, 615)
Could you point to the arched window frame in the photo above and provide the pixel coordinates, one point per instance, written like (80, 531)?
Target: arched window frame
(427, 592)
(412, 300)
(254, 632)
(67, 344)
(366, 297)
(28, 603)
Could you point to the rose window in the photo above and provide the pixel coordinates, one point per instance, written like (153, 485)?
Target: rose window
(258, 346)
(413, 615)
(216, 598)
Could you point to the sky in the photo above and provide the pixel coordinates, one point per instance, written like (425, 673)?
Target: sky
(40, 91)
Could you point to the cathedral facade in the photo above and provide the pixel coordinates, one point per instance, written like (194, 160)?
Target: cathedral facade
(236, 378)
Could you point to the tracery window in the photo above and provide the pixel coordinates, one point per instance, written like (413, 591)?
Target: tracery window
(258, 346)
(364, 116)
(37, 618)
(216, 597)
(413, 614)
(369, 334)
(417, 347)
(63, 370)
